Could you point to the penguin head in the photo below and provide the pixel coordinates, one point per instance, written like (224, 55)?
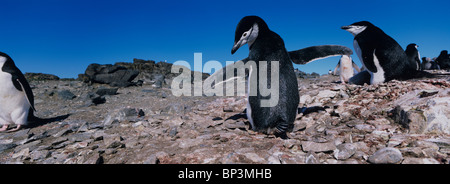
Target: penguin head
(357, 27)
(345, 58)
(3, 58)
(412, 46)
(247, 31)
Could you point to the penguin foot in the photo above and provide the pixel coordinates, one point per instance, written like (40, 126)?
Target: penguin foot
(282, 135)
(4, 128)
(15, 129)
(281, 130)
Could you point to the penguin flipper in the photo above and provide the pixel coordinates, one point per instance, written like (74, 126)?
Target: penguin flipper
(418, 64)
(356, 67)
(225, 78)
(368, 55)
(27, 92)
(306, 55)
(335, 69)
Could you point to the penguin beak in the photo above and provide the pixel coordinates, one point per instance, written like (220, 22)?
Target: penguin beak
(345, 27)
(354, 29)
(235, 48)
(237, 45)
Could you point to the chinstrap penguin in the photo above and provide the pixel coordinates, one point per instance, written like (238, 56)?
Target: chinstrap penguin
(16, 97)
(266, 45)
(443, 60)
(382, 57)
(346, 66)
(413, 54)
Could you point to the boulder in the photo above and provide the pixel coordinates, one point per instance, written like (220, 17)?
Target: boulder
(423, 114)
(63, 95)
(114, 75)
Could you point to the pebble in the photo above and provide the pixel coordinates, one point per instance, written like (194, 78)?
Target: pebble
(326, 94)
(344, 151)
(254, 157)
(290, 143)
(299, 126)
(412, 160)
(386, 156)
(22, 154)
(186, 143)
(309, 146)
(64, 95)
(365, 127)
(106, 91)
(235, 125)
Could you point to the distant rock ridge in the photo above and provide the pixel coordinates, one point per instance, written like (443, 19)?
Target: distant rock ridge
(124, 74)
(40, 76)
(304, 75)
(140, 71)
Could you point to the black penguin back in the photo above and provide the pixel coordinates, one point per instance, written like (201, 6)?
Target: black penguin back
(391, 56)
(270, 47)
(413, 55)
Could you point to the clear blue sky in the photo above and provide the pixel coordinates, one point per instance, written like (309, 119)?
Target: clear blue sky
(63, 37)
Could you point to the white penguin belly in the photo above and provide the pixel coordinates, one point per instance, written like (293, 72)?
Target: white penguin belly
(346, 68)
(346, 73)
(418, 64)
(377, 77)
(14, 106)
(249, 108)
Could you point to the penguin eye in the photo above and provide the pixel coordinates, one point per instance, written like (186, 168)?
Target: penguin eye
(244, 35)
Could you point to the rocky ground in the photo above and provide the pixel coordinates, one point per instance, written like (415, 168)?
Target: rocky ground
(397, 122)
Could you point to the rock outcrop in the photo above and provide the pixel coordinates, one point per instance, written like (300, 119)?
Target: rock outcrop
(124, 74)
(40, 76)
(424, 111)
(114, 75)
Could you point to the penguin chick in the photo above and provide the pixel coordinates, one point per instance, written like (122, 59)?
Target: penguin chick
(346, 66)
